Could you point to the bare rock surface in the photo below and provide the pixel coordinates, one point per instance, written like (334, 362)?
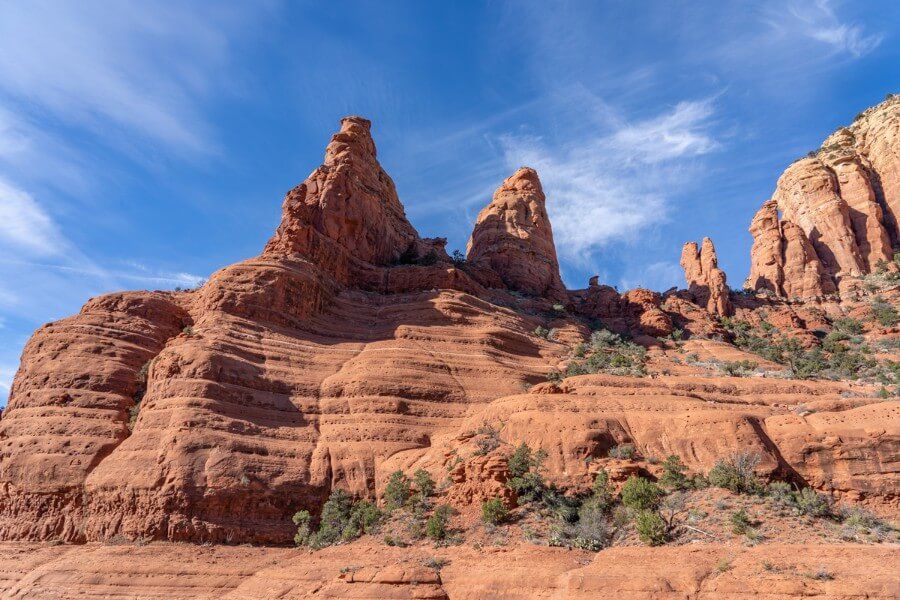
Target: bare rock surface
(838, 211)
(513, 237)
(706, 281)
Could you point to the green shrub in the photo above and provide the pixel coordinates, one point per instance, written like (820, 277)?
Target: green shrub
(603, 495)
(494, 512)
(641, 494)
(736, 473)
(674, 476)
(458, 259)
(740, 522)
(436, 526)
(364, 518)
(424, 483)
(848, 326)
(342, 519)
(397, 491)
(650, 527)
(304, 532)
(781, 493)
(590, 532)
(885, 314)
(812, 503)
(541, 332)
(623, 452)
(524, 473)
(738, 368)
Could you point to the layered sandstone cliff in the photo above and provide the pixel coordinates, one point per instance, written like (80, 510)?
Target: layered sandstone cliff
(352, 347)
(834, 214)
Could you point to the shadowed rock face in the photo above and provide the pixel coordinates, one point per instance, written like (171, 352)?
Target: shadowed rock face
(706, 281)
(352, 347)
(844, 200)
(513, 237)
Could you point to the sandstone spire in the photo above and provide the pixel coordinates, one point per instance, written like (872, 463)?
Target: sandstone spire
(348, 206)
(513, 237)
(766, 259)
(706, 281)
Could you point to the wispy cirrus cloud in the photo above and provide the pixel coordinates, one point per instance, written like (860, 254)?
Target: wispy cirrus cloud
(114, 68)
(613, 182)
(26, 226)
(80, 83)
(819, 21)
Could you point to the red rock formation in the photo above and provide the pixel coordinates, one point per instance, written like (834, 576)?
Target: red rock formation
(808, 195)
(69, 407)
(766, 255)
(513, 237)
(844, 200)
(350, 348)
(804, 275)
(706, 281)
(347, 206)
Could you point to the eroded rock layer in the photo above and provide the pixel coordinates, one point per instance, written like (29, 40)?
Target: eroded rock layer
(352, 347)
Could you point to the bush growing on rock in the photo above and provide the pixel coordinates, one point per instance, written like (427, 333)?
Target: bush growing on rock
(524, 473)
(623, 452)
(542, 332)
(436, 526)
(805, 501)
(738, 368)
(885, 314)
(812, 503)
(590, 532)
(424, 483)
(650, 527)
(740, 522)
(397, 491)
(603, 495)
(342, 519)
(736, 473)
(494, 512)
(674, 476)
(609, 353)
(639, 493)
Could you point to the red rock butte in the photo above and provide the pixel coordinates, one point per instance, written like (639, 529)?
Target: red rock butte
(352, 347)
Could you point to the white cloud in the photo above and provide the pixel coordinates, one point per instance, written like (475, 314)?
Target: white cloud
(24, 225)
(137, 66)
(819, 21)
(612, 183)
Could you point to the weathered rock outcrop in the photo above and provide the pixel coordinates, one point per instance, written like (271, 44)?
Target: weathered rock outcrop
(352, 347)
(513, 237)
(706, 281)
(839, 209)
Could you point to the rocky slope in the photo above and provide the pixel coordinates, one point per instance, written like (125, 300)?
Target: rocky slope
(352, 348)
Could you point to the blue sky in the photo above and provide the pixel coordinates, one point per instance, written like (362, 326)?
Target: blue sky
(145, 145)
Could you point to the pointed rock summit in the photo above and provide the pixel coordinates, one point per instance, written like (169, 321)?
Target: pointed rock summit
(706, 281)
(347, 209)
(513, 237)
